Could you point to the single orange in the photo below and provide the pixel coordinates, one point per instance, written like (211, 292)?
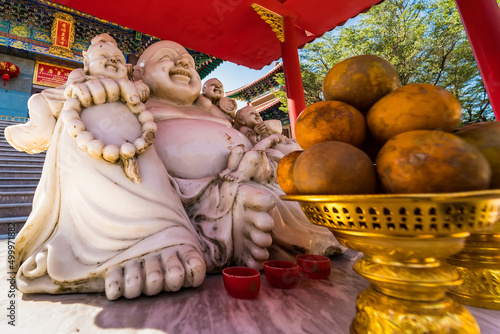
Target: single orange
(485, 136)
(334, 168)
(330, 121)
(284, 173)
(414, 107)
(427, 161)
(360, 81)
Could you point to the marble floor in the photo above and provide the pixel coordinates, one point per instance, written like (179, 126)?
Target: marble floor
(315, 306)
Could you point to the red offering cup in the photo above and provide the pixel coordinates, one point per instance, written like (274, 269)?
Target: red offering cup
(241, 282)
(314, 266)
(282, 274)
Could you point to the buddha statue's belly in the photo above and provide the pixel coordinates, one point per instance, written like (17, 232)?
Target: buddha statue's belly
(194, 149)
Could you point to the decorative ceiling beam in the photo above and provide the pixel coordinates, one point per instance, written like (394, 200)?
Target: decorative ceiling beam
(273, 19)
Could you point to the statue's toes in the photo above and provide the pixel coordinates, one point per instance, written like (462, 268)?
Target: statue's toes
(260, 220)
(153, 282)
(260, 238)
(251, 262)
(174, 271)
(259, 199)
(113, 283)
(133, 282)
(195, 268)
(260, 254)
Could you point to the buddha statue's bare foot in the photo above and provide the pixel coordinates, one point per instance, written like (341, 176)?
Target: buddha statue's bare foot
(169, 269)
(252, 225)
(235, 176)
(226, 174)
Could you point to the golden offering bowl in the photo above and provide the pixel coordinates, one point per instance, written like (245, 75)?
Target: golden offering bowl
(405, 240)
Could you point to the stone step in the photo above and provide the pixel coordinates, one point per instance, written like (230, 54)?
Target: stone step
(14, 197)
(15, 209)
(20, 173)
(20, 160)
(19, 180)
(7, 148)
(7, 188)
(19, 176)
(14, 153)
(20, 167)
(4, 123)
(21, 156)
(8, 224)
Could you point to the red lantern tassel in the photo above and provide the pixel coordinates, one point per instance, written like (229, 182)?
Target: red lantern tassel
(5, 78)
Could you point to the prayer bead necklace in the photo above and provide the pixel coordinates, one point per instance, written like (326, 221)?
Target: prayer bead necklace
(96, 148)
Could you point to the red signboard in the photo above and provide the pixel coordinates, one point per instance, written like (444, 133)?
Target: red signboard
(50, 75)
(63, 29)
(62, 35)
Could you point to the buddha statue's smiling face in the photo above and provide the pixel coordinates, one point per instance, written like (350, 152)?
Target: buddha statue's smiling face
(213, 90)
(105, 59)
(249, 117)
(169, 71)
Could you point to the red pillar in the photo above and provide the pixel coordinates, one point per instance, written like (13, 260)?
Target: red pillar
(481, 20)
(291, 68)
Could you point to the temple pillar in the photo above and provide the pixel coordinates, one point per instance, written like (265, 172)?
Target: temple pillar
(293, 76)
(481, 20)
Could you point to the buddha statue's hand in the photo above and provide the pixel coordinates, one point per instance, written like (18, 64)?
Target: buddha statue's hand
(94, 91)
(262, 129)
(142, 90)
(97, 91)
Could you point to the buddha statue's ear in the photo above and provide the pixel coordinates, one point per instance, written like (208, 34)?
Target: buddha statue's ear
(130, 71)
(137, 72)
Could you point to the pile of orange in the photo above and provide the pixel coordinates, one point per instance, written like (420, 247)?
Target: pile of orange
(371, 135)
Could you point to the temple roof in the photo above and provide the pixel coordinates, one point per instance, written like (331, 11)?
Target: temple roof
(268, 105)
(25, 26)
(271, 110)
(258, 87)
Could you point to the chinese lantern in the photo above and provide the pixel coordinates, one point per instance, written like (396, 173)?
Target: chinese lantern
(8, 70)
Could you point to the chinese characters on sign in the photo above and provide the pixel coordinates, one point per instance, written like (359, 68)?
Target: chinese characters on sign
(62, 35)
(50, 75)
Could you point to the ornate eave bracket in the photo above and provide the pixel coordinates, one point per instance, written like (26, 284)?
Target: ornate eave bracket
(273, 19)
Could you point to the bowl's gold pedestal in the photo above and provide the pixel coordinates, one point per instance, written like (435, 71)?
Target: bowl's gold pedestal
(406, 241)
(479, 267)
(409, 281)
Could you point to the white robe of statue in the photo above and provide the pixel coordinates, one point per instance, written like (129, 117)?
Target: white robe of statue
(93, 228)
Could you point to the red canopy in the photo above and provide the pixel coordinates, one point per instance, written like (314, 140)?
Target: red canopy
(227, 29)
(233, 31)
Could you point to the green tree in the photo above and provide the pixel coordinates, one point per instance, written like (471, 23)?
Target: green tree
(423, 39)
